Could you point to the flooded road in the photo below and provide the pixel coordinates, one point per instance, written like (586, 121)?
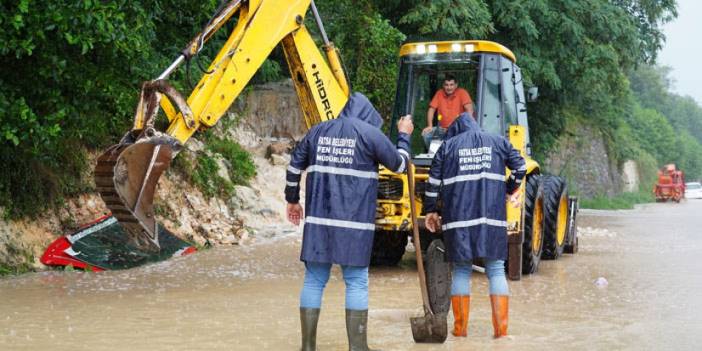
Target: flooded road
(246, 298)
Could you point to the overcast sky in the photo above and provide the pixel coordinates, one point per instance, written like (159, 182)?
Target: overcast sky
(683, 49)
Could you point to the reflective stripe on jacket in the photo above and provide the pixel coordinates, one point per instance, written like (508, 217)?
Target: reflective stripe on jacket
(341, 158)
(468, 173)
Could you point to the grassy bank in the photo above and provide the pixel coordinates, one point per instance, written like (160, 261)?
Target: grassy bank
(624, 201)
(6, 269)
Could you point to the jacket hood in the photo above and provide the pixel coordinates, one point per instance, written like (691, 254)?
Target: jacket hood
(359, 107)
(463, 123)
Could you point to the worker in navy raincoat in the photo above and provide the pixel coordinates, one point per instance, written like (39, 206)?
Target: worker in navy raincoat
(468, 175)
(341, 158)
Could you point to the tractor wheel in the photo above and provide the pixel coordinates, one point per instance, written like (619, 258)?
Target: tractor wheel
(533, 224)
(555, 216)
(438, 275)
(388, 247)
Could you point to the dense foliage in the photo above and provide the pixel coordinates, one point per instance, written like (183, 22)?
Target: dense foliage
(70, 73)
(69, 81)
(665, 125)
(592, 60)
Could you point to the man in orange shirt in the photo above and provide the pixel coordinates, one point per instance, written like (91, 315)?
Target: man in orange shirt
(450, 102)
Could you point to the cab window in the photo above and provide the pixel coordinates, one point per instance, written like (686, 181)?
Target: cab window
(420, 81)
(491, 114)
(509, 103)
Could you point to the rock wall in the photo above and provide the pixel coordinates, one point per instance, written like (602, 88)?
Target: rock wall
(631, 179)
(22, 242)
(272, 110)
(580, 156)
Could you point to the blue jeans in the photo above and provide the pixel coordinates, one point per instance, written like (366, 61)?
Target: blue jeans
(317, 276)
(436, 133)
(495, 270)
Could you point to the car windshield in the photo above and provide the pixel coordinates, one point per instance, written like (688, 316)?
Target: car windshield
(694, 186)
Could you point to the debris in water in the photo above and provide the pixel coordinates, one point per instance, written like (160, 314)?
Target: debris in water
(601, 282)
(103, 245)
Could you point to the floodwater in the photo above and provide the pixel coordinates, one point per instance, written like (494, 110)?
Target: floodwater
(635, 284)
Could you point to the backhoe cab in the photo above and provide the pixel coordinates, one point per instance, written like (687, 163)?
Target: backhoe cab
(489, 73)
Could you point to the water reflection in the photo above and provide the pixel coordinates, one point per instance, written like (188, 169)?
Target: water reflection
(245, 298)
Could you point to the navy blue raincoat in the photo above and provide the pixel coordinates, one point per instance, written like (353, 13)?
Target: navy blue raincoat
(468, 172)
(341, 157)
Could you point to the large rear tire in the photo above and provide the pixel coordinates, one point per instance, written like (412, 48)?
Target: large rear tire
(555, 216)
(388, 247)
(533, 224)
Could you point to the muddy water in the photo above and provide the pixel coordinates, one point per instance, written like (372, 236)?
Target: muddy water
(245, 298)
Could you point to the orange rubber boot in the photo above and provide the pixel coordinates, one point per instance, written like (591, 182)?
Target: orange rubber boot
(500, 314)
(461, 309)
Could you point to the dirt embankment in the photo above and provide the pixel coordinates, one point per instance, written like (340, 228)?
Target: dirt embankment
(267, 115)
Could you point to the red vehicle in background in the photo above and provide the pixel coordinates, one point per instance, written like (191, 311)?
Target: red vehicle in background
(671, 184)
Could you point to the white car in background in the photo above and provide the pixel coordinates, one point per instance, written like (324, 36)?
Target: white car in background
(693, 190)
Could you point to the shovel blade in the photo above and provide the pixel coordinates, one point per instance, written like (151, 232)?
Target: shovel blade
(430, 328)
(126, 177)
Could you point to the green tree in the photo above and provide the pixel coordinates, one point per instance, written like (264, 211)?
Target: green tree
(685, 114)
(651, 87)
(654, 133)
(70, 71)
(368, 46)
(689, 155)
(576, 52)
(69, 80)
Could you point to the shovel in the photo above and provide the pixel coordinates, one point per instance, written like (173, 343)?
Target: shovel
(432, 328)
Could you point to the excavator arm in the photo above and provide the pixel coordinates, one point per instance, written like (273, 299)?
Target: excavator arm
(126, 174)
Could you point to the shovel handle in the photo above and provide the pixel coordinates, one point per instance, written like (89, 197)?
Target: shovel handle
(415, 238)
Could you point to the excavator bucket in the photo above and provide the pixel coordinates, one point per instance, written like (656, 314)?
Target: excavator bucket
(126, 176)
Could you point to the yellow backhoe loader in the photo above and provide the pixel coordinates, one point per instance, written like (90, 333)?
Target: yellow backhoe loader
(543, 225)
(126, 175)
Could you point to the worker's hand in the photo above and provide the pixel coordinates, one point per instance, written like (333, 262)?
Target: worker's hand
(294, 213)
(427, 130)
(432, 221)
(405, 125)
(515, 199)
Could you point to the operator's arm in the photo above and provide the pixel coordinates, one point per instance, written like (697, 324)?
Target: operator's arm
(469, 108)
(467, 102)
(395, 158)
(433, 105)
(430, 117)
(516, 163)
